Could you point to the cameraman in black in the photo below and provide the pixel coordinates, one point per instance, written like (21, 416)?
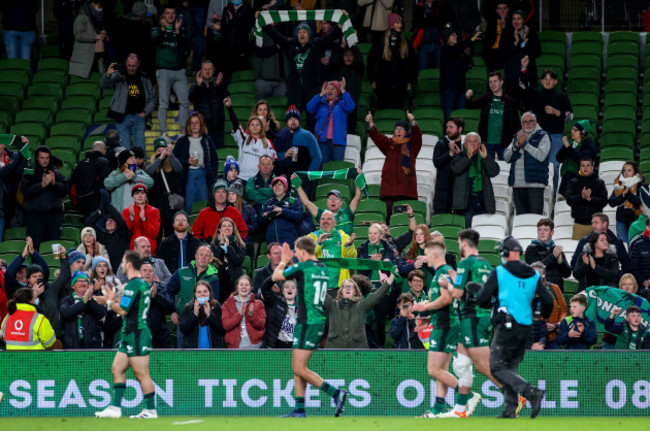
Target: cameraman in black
(513, 286)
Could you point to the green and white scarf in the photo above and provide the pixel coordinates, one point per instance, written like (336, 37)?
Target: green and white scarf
(332, 15)
(341, 174)
(363, 264)
(13, 142)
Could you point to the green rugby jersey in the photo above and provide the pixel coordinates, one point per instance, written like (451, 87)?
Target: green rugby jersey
(344, 219)
(135, 301)
(472, 268)
(311, 283)
(445, 317)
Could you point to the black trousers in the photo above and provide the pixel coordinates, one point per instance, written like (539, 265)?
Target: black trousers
(528, 200)
(506, 353)
(43, 227)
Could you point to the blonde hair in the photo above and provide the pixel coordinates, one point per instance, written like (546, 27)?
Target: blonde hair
(270, 117)
(265, 141)
(357, 291)
(628, 276)
(388, 53)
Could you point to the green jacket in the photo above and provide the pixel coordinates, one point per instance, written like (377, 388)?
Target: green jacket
(183, 281)
(347, 320)
(636, 229)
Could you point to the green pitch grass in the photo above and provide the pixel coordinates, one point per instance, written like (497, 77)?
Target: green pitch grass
(319, 423)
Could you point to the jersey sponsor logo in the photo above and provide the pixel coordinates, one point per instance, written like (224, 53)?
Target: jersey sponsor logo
(129, 348)
(129, 292)
(467, 339)
(126, 301)
(186, 278)
(145, 348)
(482, 340)
(461, 270)
(309, 344)
(434, 343)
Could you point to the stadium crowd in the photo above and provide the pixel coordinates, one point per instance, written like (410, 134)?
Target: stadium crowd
(202, 294)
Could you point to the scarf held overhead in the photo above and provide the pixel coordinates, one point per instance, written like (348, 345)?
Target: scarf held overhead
(341, 174)
(332, 15)
(363, 264)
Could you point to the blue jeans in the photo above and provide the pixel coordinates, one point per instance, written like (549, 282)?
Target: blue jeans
(621, 231)
(475, 206)
(132, 127)
(199, 15)
(19, 44)
(429, 55)
(330, 152)
(495, 150)
(196, 189)
(450, 100)
(556, 145)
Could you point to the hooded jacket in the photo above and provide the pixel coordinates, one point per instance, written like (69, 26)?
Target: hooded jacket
(44, 200)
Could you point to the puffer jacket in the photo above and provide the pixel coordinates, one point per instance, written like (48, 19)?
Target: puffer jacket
(283, 228)
(231, 319)
(603, 275)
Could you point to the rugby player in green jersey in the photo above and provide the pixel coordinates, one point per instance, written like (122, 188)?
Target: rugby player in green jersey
(445, 326)
(136, 339)
(311, 278)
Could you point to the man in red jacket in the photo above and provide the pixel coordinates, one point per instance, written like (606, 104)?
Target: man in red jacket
(141, 218)
(399, 180)
(206, 223)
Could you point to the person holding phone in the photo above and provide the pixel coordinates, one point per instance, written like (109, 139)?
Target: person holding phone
(120, 181)
(402, 327)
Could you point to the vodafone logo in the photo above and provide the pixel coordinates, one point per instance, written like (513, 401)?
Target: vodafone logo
(18, 325)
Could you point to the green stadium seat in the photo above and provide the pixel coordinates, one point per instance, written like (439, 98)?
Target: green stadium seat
(12, 89)
(554, 47)
(15, 233)
(419, 207)
(83, 102)
(616, 154)
(71, 233)
(364, 48)
(623, 49)
(586, 49)
(16, 76)
(101, 117)
(8, 105)
(337, 165)
(624, 36)
(278, 104)
(245, 100)
(48, 103)
(623, 112)
(75, 128)
(452, 245)
(69, 156)
(555, 36)
(198, 206)
(618, 86)
(396, 231)
(585, 60)
(243, 76)
(323, 189)
(45, 89)
(447, 220)
(34, 116)
(449, 231)
(623, 60)
(583, 87)
(373, 190)
(622, 74)
(46, 247)
(493, 259)
(29, 129)
(371, 206)
(368, 218)
(361, 232)
(584, 74)
(389, 114)
(15, 64)
(429, 114)
(53, 64)
(94, 77)
(74, 115)
(586, 99)
(105, 103)
(83, 89)
(587, 36)
(241, 88)
(550, 61)
(10, 248)
(64, 142)
(427, 99)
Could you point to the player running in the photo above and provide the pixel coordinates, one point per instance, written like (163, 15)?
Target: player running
(445, 328)
(475, 323)
(136, 340)
(311, 278)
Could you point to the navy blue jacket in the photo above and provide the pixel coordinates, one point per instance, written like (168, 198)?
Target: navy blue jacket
(640, 259)
(92, 313)
(283, 228)
(210, 160)
(534, 170)
(581, 209)
(642, 341)
(11, 285)
(587, 339)
(402, 330)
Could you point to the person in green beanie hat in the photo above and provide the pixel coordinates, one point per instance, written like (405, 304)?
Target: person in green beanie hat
(580, 145)
(81, 315)
(164, 162)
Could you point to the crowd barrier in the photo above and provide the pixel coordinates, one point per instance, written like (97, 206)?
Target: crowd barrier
(259, 383)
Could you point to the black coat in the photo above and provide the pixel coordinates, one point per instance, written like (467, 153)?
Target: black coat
(189, 326)
(210, 160)
(276, 308)
(87, 180)
(511, 120)
(581, 209)
(44, 200)
(158, 196)
(117, 242)
(231, 263)
(161, 305)
(395, 74)
(462, 183)
(170, 247)
(50, 299)
(602, 275)
(92, 327)
(555, 272)
(444, 190)
(208, 100)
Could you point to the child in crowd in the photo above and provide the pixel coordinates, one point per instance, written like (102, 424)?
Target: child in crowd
(577, 332)
(632, 334)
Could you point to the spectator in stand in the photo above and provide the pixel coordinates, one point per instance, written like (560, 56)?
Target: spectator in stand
(551, 255)
(570, 154)
(101, 276)
(90, 247)
(87, 179)
(330, 52)
(454, 63)
(519, 45)
(160, 306)
(271, 125)
(236, 199)
(269, 81)
(376, 248)
(577, 332)
(290, 141)
(559, 307)
(43, 191)
(303, 52)
(499, 119)
(133, 35)
(170, 39)
(402, 327)
(164, 163)
(120, 182)
(626, 197)
(141, 218)
(198, 13)
(427, 24)
(237, 22)
(274, 256)
(538, 334)
(413, 258)
(280, 215)
(207, 97)
(140, 161)
(375, 20)
(19, 25)
(443, 153)
(89, 40)
(81, 315)
(252, 142)
(114, 234)
(178, 248)
(528, 156)
(15, 276)
(134, 99)
(640, 257)
(198, 155)
(11, 172)
(281, 313)
(552, 108)
(331, 108)
(464, 15)
(258, 188)
(205, 225)
(113, 147)
(586, 195)
(600, 224)
(43, 336)
(473, 168)
(631, 335)
(333, 242)
(450, 258)
(349, 67)
(497, 25)
(399, 178)
(230, 250)
(416, 285)
(598, 264)
(346, 314)
(200, 321)
(344, 215)
(628, 284)
(392, 66)
(143, 246)
(243, 317)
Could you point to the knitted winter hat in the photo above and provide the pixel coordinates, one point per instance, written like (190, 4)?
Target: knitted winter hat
(88, 230)
(282, 179)
(220, 184)
(393, 18)
(236, 188)
(336, 85)
(583, 126)
(99, 259)
(292, 111)
(32, 269)
(303, 26)
(75, 255)
(78, 275)
(138, 187)
(230, 163)
(160, 142)
(124, 156)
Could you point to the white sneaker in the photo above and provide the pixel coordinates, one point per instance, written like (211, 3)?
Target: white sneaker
(146, 414)
(429, 415)
(453, 414)
(473, 403)
(110, 412)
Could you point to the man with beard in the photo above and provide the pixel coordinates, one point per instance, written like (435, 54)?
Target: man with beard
(176, 248)
(444, 151)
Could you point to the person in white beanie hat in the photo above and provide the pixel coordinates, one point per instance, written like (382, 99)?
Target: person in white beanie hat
(90, 247)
